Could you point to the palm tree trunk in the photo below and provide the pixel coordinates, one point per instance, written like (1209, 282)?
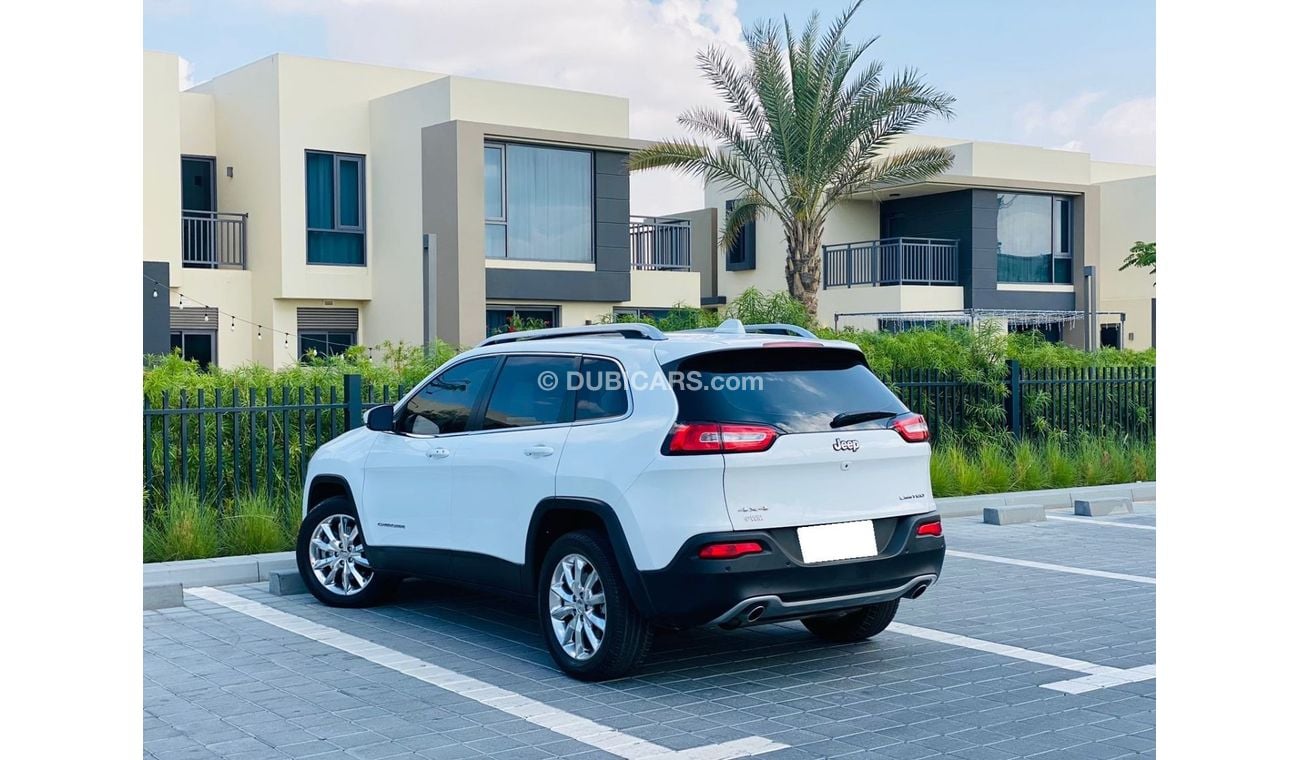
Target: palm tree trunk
(803, 265)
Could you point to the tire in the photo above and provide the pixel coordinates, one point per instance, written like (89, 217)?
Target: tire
(585, 653)
(854, 625)
(363, 586)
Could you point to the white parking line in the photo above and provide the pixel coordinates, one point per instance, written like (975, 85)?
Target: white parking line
(566, 724)
(1098, 676)
(1050, 566)
(1104, 523)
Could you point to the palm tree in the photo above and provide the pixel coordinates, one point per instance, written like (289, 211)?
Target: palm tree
(798, 135)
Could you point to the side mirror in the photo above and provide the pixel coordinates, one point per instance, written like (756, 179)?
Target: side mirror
(380, 418)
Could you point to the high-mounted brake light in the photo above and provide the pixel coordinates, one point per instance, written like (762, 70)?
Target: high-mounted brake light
(911, 427)
(714, 438)
(730, 551)
(930, 529)
(791, 344)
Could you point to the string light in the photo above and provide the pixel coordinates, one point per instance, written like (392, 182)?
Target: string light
(207, 317)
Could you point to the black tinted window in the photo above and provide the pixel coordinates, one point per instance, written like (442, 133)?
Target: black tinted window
(445, 404)
(603, 392)
(531, 390)
(796, 390)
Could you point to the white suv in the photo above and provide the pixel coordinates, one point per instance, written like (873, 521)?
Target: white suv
(628, 479)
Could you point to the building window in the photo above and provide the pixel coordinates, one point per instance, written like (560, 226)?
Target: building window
(502, 319)
(740, 255)
(336, 209)
(636, 313)
(325, 343)
(537, 203)
(196, 346)
(326, 331)
(1035, 238)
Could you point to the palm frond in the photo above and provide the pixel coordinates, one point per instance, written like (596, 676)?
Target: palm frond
(745, 210)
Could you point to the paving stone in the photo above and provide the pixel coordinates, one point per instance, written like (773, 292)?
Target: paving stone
(1101, 507)
(1012, 515)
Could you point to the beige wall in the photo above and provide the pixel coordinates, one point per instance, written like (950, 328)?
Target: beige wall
(162, 167)
(1128, 210)
(891, 298)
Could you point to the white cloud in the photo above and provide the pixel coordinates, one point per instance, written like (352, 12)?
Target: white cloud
(1123, 131)
(635, 49)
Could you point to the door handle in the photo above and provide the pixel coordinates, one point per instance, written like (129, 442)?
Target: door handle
(540, 450)
(438, 453)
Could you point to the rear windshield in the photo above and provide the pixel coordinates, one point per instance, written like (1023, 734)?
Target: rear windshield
(796, 390)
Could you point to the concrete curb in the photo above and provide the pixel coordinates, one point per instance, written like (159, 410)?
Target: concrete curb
(219, 571)
(1014, 515)
(252, 568)
(1057, 498)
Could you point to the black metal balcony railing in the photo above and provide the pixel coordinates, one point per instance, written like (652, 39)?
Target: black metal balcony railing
(214, 240)
(661, 243)
(892, 261)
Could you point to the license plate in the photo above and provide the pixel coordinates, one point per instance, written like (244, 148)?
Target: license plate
(827, 543)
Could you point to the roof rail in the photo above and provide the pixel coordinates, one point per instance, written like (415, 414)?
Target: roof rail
(780, 328)
(629, 330)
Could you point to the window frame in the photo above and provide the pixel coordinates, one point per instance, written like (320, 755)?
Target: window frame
(1066, 218)
(339, 227)
(504, 220)
(746, 243)
(302, 352)
(516, 308)
(211, 334)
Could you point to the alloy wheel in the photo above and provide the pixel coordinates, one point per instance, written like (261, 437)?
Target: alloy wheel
(577, 603)
(338, 556)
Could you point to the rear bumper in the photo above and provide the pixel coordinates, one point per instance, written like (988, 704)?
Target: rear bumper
(691, 591)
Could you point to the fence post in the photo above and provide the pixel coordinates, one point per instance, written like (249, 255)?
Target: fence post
(352, 401)
(1013, 382)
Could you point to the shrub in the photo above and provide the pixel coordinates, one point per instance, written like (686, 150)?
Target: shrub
(995, 466)
(255, 523)
(182, 526)
(1027, 463)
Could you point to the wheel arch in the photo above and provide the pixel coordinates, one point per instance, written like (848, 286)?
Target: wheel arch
(555, 516)
(326, 486)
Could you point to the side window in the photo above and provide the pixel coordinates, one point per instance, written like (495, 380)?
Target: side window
(531, 390)
(446, 403)
(603, 392)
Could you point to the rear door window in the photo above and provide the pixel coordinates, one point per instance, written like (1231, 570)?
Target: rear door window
(531, 390)
(795, 390)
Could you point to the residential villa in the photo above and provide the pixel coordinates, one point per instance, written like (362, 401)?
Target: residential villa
(299, 204)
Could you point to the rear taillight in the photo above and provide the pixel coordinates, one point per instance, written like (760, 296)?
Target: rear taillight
(713, 438)
(730, 551)
(911, 427)
(930, 529)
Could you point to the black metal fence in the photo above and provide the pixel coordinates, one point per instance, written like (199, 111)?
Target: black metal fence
(1034, 402)
(223, 443)
(226, 443)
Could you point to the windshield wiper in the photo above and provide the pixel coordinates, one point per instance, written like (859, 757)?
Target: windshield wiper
(852, 418)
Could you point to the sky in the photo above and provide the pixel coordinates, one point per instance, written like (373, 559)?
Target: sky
(1068, 74)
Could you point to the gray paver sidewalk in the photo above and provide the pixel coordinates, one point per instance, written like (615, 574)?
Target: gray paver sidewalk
(219, 683)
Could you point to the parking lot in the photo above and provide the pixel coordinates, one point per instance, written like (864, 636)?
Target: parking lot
(1039, 639)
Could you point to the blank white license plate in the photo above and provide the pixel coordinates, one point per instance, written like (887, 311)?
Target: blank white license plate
(827, 543)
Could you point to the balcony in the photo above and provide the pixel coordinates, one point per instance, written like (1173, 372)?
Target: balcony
(214, 240)
(892, 261)
(661, 243)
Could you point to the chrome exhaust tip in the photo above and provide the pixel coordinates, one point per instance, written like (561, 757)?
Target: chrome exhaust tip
(916, 593)
(755, 613)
